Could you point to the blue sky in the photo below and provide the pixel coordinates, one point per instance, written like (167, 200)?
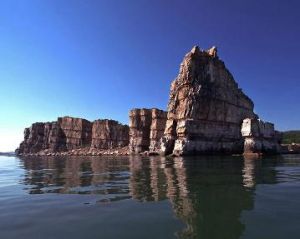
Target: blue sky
(98, 59)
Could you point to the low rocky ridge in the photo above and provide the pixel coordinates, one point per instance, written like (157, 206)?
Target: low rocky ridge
(76, 136)
(207, 113)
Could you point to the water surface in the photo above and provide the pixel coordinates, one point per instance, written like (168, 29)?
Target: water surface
(150, 197)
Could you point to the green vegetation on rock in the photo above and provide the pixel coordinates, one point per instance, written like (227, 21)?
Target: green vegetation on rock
(292, 136)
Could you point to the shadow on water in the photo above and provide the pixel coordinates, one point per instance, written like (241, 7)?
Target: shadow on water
(207, 193)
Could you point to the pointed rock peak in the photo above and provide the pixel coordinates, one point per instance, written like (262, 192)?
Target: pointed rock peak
(195, 49)
(212, 51)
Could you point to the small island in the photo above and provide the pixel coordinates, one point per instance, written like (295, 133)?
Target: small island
(207, 114)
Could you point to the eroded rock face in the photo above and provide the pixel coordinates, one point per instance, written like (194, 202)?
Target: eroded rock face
(157, 128)
(206, 108)
(77, 132)
(207, 113)
(146, 129)
(109, 134)
(34, 139)
(68, 133)
(139, 130)
(260, 137)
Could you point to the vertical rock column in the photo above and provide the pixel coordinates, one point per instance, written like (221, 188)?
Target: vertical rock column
(157, 128)
(139, 130)
(146, 127)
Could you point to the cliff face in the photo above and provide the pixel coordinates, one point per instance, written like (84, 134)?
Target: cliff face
(108, 134)
(139, 133)
(159, 118)
(68, 133)
(206, 108)
(146, 129)
(207, 113)
(76, 132)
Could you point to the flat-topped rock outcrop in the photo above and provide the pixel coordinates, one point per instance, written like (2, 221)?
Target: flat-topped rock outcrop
(68, 134)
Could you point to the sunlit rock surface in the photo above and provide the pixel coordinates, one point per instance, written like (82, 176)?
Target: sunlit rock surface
(260, 137)
(70, 134)
(146, 129)
(109, 134)
(207, 113)
(206, 108)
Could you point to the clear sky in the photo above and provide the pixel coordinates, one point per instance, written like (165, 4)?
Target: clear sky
(100, 58)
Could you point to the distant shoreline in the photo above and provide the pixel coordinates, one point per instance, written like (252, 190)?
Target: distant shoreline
(11, 154)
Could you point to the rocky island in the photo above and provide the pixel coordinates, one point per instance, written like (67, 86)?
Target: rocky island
(207, 114)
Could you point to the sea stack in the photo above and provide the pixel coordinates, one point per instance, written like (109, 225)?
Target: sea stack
(206, 108)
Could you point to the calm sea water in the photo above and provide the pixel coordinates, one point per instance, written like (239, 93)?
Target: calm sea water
(156, 197)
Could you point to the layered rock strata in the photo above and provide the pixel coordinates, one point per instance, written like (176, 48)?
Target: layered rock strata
(139, 130)
(71, 134)
(207, 113)
(260, 137)
(157, 128)
(146, 129)
(206, 108)
(109, 134)
(76, 132)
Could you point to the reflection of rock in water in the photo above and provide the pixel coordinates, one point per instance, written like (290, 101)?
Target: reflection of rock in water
(209, 194)
(141, 181)
(79, 175)
(218, 198)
